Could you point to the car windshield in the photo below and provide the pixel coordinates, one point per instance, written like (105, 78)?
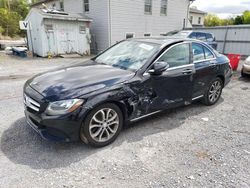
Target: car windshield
(128, 55)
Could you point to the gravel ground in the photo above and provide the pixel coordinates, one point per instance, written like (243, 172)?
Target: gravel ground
(193, 146)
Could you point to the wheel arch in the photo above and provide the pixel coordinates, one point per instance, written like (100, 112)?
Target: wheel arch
(222, 78)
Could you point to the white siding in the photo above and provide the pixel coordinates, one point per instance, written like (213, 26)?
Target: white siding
(128, 16)
(99, 28)
(36, 33)
(50, 4)
(75, 6)
(112, 19)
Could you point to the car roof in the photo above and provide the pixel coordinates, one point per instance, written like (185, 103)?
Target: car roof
(195, 31)
(163, 41)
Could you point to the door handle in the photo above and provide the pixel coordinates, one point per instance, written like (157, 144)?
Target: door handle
(212, 64)
(187, 71)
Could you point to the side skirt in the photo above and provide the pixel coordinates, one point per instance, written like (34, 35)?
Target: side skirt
(141, 117)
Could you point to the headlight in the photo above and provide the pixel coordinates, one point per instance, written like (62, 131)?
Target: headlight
(63, 107)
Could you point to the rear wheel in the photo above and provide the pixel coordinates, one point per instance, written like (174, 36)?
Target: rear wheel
(243, 74)
(213, 92)
(102, 125)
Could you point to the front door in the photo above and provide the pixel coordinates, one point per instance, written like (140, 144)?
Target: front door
(174, 87)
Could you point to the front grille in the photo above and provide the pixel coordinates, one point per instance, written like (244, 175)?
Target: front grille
(31, 103)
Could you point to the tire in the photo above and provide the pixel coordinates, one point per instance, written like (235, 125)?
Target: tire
(214, 89)
(243, 74)
(102, 125)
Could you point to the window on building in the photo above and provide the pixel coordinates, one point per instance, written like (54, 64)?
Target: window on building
(82, 28)
(164, 4)
(86, 5)
(61, 5)
(148, 7)
(199, 20)
(177, 56)
(147, 34)
(130, 35)
(191, 19)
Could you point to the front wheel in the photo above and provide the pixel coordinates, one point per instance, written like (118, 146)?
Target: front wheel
(102, 125)
(213, 92)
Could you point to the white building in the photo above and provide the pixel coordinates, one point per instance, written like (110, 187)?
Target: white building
(115, 20)
(196, 17)
(55, 33)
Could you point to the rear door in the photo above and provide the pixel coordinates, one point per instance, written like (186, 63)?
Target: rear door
(205, 65)
(174, 87)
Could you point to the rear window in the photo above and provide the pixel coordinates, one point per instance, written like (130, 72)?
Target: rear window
(209, 37)
(201, 36)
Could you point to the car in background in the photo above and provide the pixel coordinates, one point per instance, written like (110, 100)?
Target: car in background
(135, 78)
(203, 36)
(170, 33)
(246, 68)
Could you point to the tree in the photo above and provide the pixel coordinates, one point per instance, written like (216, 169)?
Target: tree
(246, 17)
(20, 6)
(212, 20)
(227, 21)
(11, 12)
(9, 21)
(238, 20)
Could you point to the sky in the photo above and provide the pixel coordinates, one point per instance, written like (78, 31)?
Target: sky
(223, 8)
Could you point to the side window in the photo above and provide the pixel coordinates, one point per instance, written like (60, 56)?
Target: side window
(201, 36)
(208, 53)
(198, 53)
(192, 35)
(130, 35)
(177, 55)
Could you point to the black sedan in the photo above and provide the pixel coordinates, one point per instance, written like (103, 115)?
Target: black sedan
(135, 78)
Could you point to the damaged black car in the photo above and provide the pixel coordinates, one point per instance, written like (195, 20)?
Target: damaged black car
(135, 78)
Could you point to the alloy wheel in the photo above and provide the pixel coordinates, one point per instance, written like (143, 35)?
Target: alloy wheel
(104, 125)
(215, 91)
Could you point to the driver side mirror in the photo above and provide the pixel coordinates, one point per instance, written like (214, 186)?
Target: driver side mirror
(158, 68)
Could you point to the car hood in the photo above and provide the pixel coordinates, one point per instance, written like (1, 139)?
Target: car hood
(78, 80)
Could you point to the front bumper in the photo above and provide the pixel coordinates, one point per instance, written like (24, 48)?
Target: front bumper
(246, 69)
(61, 129)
